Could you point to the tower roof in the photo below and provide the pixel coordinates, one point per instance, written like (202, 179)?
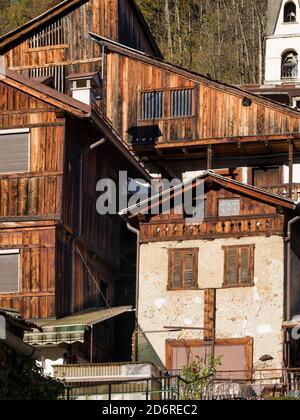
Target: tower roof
(274, 7)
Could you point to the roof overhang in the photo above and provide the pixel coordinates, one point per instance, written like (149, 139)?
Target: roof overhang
(71, 329)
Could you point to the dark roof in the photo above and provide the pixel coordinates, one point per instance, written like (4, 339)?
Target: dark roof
(76, 108)
(191, 75)
(238, 187)
(274, 7)
(24, 31)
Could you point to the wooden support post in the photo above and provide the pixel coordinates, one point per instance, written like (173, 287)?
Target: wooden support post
(209, 158)
(210, 320)
(291, 168)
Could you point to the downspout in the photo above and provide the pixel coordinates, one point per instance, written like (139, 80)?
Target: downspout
(289, 284)
(78, 231)
(137, 293)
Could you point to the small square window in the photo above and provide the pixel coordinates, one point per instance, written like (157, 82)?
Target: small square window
(182, 103)
(239, 266)
(229, 207)
(183, 269)
(152, 105)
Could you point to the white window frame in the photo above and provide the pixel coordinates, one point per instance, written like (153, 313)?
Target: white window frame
(19, 131)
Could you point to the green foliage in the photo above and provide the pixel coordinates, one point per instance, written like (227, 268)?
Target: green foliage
(220, 38)
(21, 379)
(199, 375)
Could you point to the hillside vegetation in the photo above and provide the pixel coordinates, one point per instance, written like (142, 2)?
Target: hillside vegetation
(221, 38)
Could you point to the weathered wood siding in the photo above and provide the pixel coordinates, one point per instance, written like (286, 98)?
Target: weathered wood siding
(217, 112)
(36, 194)
(112, 19)
(37, 246)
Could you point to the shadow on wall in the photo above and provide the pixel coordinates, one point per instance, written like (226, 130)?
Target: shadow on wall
(144, 134)
(147, 354)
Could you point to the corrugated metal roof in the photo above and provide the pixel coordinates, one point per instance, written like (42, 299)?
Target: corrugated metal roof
(86, 318)
(71, 329)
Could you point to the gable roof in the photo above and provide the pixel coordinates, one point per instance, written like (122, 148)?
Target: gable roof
(24, 31)
(229, 184)
(77, 109)
(191, 75)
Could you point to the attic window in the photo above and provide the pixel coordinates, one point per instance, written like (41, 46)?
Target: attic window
(229, 207)
(290, 12)
(49, 36)
(152, 105)
(182, 102)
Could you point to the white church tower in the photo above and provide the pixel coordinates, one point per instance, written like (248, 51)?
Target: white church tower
(283, 42)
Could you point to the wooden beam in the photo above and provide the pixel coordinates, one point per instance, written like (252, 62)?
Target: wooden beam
(209, 158)
(227, 141)
(291, 168)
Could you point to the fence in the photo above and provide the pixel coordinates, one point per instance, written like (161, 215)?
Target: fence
(229, 385)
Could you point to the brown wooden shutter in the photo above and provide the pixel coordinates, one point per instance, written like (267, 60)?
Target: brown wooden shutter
(9, 273)
(183, 268)
(245, 272)
(232, 274)
(266, 177)
(14, 153)
(188, 266)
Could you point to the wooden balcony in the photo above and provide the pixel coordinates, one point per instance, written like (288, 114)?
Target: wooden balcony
(284, 190)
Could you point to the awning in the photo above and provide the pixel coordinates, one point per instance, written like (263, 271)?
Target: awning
(70, 329)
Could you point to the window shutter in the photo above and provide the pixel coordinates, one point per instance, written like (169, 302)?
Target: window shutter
(245, 265)
(177, 270)
(9, 273)
(188, 268)
(232, 276)
(14, 153)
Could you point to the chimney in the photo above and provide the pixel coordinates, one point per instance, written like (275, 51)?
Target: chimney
(85, 87)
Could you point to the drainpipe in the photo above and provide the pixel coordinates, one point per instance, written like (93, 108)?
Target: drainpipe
(289, 281)
(77, 234)
(137, 293)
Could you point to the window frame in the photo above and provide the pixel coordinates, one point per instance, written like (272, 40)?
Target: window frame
(228, 199)
(174, 117)
(18, 253)
(166, 104)
(251, 265)
(171, 257)
(19, 131)
(141, 104)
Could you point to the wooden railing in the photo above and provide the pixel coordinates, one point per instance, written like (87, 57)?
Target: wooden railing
(285, 190)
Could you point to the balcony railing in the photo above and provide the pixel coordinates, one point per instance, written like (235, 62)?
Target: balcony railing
(285, 190)
(289, 71)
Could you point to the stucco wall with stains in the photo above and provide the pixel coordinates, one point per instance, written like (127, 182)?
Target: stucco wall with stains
(241, 312)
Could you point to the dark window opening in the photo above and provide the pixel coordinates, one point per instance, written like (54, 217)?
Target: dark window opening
(182, 103)
(289, 66)
(152, 105)
(290, 12)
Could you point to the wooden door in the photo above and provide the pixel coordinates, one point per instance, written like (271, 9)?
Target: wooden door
(266, 177)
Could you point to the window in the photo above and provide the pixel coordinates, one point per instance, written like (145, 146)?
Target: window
(57, 72)
(239, 266)
(14, 151)
(49, 36)
(289, 66)
(183, 269)
(182, 103)
(9, 271)
(229, 207)
(152, 105)
(290, 12)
